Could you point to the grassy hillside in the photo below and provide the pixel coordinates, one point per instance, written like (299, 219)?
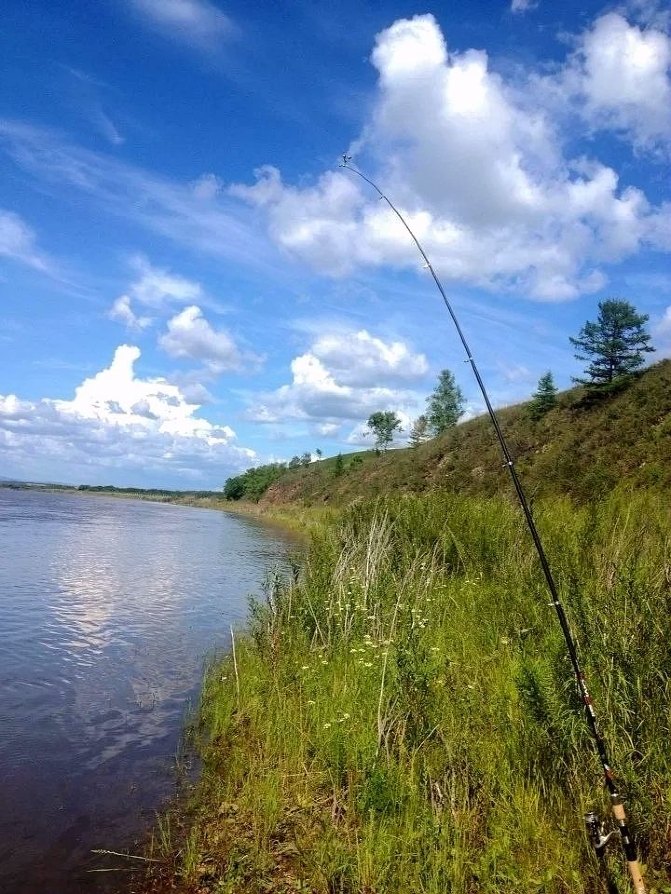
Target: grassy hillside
(583, 448)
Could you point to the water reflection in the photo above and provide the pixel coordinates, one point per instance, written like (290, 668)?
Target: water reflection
(108, 609)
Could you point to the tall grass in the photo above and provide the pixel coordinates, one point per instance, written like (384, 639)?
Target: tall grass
(407, 720)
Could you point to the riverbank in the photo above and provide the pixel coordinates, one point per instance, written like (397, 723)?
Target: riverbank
(402, 717)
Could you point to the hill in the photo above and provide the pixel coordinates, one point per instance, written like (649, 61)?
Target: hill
(583, 448)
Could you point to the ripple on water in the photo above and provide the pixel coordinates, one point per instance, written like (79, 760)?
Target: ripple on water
(109, 607)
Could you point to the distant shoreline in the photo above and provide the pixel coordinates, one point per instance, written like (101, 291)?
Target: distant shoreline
(290, 519)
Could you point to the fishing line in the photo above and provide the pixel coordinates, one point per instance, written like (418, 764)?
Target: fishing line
(628, 844)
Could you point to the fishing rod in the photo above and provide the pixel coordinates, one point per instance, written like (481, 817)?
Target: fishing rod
(592, 822)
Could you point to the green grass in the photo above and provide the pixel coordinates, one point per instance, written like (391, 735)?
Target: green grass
(404, 718)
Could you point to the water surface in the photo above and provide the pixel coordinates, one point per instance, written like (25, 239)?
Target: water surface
(109, 608)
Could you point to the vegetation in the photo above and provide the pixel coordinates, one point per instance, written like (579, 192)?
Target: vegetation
(419, 431)
(401, 715)
(403, 718)
(147, 492)
(446, 404)
(253, 483)
(383, 424)
(614, 345)
(544, 398)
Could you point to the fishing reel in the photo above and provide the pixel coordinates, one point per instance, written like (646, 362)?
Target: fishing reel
(596, 833)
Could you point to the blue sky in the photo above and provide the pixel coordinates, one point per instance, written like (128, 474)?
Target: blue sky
(190, 285)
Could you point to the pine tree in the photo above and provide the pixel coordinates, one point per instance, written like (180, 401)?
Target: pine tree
(544, 398)
(614, 345)
(419, 431)
(339, 466)
(446, 404)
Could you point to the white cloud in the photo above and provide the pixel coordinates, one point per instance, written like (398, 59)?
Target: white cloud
(117, 422)
(317, 224)
(522, 5)
(18, 242)
(477, 167)
(105, 126)
(196, 23)
(85, 90)
(327, 429)
(190, 336)
(221, 227)
(362, 360)
(662, 333)
(123, 313)
(620, 77)
(207, 187)
(155, 288)
(344, 377)
(158, 288)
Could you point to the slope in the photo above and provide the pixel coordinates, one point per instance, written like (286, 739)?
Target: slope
(583, 448)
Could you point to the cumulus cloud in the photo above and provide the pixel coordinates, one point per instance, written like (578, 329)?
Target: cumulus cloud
(196, 23)
(154, 288)
(18, 242)
(122, 312)
(189, 335)
(620, 76)
(115, 422)
(343, 378)
(361, 360)
(476, 166)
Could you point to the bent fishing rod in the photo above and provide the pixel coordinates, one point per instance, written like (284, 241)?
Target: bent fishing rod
(594, 826)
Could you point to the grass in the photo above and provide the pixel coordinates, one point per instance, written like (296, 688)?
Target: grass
(402, 718)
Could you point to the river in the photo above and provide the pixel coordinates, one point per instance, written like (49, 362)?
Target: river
(109, 609)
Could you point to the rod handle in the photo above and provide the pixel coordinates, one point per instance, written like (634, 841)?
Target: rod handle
(629, 848)
(636, 877)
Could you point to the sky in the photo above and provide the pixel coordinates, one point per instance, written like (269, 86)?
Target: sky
(191, 285)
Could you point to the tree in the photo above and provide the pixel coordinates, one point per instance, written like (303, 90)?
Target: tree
(446, 404)
(339, 466)
(419, 431)
(544, 398)
(614, 345)
(383, 424)
(318, 453)
(234, 488)
(253, 483)
(306, 459)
